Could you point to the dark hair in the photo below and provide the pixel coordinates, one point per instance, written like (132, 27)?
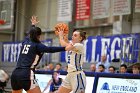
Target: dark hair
(112, 67)
(55, 72)
(123, 65)
(101, 65)
(136, 66)
(82, 34)
(59, 64)
(34, 33)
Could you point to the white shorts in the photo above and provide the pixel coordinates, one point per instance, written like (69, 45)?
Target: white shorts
(76, 81)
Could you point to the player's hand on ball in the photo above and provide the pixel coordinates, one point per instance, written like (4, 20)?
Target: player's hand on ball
(65, 37)
(60, 33)
(61, 27)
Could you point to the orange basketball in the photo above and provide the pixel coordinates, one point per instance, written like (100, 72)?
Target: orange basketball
(61, 26)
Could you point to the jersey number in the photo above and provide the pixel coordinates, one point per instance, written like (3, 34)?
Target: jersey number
(25, 49)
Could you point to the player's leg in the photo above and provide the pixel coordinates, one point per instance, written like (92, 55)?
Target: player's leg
(83, 81)
(31, 86)
(63, 90)
(17, 91)
(34, 90)
(65, 87)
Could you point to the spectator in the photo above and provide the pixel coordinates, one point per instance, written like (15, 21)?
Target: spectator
(58, 67)
(3, 76)
(46, 67)
(66, 68)
(37, 68)
(50, 67)
(54, 83)
(101, 68)
(111, 69)
(123, 69)
(135, 69)
(3, 80)
(92, 67)
(103, 62)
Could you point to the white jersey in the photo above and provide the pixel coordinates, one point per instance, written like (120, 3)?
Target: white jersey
(76, 58)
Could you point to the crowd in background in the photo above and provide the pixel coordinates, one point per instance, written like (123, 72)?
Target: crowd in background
(54, 67)
(123, 69)
(103, 66)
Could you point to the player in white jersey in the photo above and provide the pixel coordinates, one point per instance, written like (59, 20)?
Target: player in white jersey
(75, 80)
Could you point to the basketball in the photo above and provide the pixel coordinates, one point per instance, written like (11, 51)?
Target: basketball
(61, 26)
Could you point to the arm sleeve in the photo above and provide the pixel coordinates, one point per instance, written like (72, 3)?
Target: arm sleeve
(42, 48)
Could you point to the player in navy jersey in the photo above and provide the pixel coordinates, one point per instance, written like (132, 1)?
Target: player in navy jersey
(75, 81)
(31, 52)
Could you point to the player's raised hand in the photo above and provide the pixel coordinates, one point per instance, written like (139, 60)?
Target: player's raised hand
(34, 20)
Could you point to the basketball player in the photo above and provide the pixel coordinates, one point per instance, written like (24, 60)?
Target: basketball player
(75, 80)
(31, 52)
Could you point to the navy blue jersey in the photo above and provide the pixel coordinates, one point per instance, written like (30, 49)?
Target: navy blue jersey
(55, 85)
(31, 53)
(23, 76)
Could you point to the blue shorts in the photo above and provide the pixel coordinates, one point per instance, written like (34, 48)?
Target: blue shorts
(23, 79)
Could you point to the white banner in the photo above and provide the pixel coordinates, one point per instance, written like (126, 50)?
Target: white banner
(118, 85)
(101, 9)
(121, 7)
(64, 10)
(82, 9)
(137, 6)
